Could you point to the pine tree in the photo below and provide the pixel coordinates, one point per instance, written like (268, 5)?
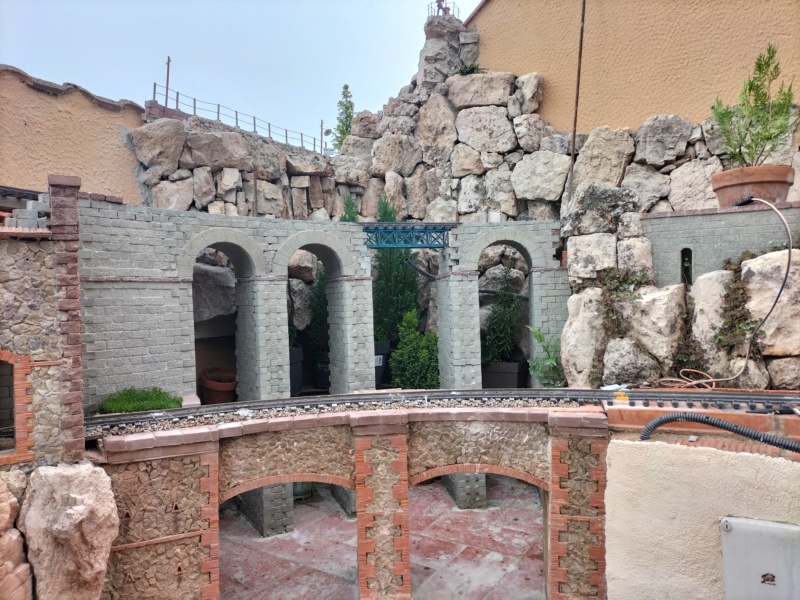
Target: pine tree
(345, 117)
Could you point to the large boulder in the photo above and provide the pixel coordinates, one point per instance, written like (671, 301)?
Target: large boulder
(603, 157)
(624, 361)
(9, 506)
(588, 254)
(763, 276)
(490, 257)
(464, 160)
(690, 185)
(213, 291)
(784, 373)
(359, 147)
(372, 193)
(69, 519)
(754, 376)
(269, 198)
(648, 184)
(422, 188)
(471, 195)
(708, 318)
(159, 144)
(218, 150)
(713, 137)
(491, 88)
(655, 320)
(303, 266)
(399, 125)
(436, 129)
(540, 176)
(662, 140)
(299, 303)
(635, 254)
(365, 125)
(493, 277)
(528, 95)
(269, 161)
(500, 191)
(395, 193)
(173, 195)
(438, 59)
(530, 129)
(597, 208)
(486, 129)
(300, 161)
(203, 186)
(350, 170)
(583, 339)
(442, 210)
(398, 153)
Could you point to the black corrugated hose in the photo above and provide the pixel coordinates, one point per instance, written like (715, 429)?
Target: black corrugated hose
(759, 436)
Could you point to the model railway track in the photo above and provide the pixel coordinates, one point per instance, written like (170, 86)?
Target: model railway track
(679, 400)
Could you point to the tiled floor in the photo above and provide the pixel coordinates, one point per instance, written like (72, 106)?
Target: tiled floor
(491, 554)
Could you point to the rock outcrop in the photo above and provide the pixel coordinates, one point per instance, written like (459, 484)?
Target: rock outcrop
(69, 519)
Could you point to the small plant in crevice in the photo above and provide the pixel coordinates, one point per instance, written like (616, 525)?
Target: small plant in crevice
(738, 323)
(546, 366)
(617, 285)
(688, 353)
(469, 69)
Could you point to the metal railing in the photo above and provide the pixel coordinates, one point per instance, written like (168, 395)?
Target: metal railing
(174, 100)
(444, 8)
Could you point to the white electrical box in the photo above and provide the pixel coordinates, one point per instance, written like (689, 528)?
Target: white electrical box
(761, 559)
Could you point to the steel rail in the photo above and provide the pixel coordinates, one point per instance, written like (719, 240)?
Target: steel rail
(742, 401)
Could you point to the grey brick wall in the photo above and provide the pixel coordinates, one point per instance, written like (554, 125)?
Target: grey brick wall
(346, 498)
(269, 509)
(467, 489)
(459, 327)
(712, 238)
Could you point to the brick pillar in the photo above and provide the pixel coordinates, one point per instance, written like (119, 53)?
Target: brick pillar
(459, 339)
(381, 444)
(64, 225)
(352, 344)
(273, 317)
(269, 508)
(577, 506)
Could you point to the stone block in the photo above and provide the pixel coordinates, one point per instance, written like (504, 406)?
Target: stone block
(468, 490)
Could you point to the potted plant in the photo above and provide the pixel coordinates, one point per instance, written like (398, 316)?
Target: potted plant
(752, 131)
(295, 363)
(318, 331)
(395, 288)
(499, 369)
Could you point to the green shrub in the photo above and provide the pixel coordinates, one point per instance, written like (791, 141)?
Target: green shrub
(468, 69)
(546, 367)
(754, 128)
(502, 324)
(415, 363)
(136, 400)
(350, 210)
(396, 285)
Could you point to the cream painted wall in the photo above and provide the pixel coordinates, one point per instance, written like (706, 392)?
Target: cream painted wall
(65, 134)
(641, 57)
(663, 507)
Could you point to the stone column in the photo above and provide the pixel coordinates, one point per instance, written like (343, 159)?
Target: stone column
(64, 225)
(577, 504)
(269, 508)
(468, 490)
(459, 331)
(274, 316)
(251, 337)
(381, 444)
(352, 345)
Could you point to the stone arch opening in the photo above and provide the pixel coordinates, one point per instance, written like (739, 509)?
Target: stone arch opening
(478, 530)
(340, 354)
(16, 399)
(225, 315)
(7, 433)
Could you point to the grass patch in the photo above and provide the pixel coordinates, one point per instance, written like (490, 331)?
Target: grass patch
(137, 400)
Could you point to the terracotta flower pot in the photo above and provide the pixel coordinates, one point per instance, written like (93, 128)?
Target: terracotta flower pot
(219, 385)
(770, 183)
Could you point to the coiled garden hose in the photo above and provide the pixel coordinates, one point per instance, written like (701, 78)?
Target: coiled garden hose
(759, 436)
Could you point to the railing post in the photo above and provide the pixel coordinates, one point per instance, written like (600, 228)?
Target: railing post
(154, 92)
(177, 100)
(217, 112)
(237, 117)
(286, 135)
(254, 125)
(269, 130)
(301, 140)
(194, 106)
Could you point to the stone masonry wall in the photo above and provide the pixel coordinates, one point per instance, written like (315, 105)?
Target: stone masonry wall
(520, 446)
(326, 451)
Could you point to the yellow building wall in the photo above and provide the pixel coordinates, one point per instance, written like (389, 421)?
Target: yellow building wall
(641, 57)
(67, 133)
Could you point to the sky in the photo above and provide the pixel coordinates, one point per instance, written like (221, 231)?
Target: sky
(284, 61)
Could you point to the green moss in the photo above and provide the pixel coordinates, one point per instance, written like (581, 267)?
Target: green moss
(137, 400)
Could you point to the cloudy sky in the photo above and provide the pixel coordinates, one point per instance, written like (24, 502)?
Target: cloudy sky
(284, 61)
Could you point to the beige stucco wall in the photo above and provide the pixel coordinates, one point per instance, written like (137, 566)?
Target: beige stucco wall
(641, 57)
(663, 507)
(64, 132)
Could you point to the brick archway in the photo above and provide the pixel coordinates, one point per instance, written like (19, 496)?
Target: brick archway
(289, 478)
(23, 442)
(480, 468)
